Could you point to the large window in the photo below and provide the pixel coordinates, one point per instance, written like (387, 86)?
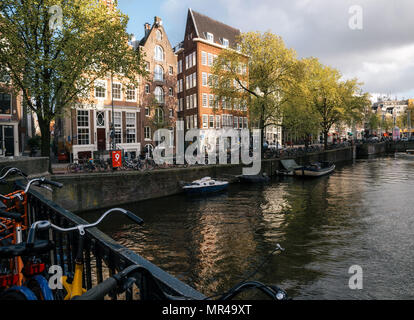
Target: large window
(159, 35)
(159, 95)
(159, 53)
(159, 113)
(158, 73)
(5, 103)
(130, 127)
(83, 127)
(205, 121)
(118, 127)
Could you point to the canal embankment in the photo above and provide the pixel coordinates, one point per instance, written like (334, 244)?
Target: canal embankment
(83, 192)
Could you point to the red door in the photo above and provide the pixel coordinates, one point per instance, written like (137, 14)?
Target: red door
(101, 137)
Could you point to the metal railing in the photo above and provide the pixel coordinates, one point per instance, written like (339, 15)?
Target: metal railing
(103, 256)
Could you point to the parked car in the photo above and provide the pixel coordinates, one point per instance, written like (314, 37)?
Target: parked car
(275, 146)
(404, 139)
(373, 139)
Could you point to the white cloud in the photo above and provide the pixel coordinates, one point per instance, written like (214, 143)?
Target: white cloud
(381, 55)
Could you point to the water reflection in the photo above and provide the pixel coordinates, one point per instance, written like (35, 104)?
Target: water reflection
(359, 215)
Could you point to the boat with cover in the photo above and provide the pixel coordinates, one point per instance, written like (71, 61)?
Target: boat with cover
(316, 169)
(205, 185)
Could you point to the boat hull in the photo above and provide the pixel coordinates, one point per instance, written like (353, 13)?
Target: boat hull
(313, 173)
(206, 189)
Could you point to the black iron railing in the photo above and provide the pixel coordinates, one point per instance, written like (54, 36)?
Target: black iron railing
(103, 256)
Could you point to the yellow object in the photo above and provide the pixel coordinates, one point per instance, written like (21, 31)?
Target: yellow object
(74, 289)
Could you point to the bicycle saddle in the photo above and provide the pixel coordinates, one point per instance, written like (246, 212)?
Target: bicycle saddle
(21, 249)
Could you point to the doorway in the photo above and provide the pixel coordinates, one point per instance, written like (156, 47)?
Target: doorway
(101, 138)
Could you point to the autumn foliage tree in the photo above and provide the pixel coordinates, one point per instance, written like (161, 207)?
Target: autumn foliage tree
(54, 50)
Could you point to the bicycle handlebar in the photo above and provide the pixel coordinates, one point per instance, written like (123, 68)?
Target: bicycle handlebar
(44, 225)
(12, 171)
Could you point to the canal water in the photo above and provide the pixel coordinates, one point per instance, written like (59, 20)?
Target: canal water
(363, 215)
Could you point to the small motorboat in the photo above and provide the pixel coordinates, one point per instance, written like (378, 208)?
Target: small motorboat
(254, 178)
(205, 185)
(316, 169)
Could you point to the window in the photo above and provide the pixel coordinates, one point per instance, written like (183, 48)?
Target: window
(235, 122)
(158, 73)
(203, 58)
(147, 133)
(205, 102)
(159, 53)
(204, 79)
(171, 70)
(246, 123)
(147, 89)
(83, 127)
(217, 122)
(195, 100)
(210, 60)
(211, 101)
(147, 66)
(205, 121)
(130, 127)
(100, 119)
(180, 66)
(159, 35)
(100, 89)
(190, 60)
(159, 95)
(225, 43)
(171, 92)
(210, 37)
(211, 121)
(131, 94)
(241, 122)
(118, 127)
(5, 103)
(194, 80)
(147, 112)
(171, 113)
(159, 113)
(117, 91)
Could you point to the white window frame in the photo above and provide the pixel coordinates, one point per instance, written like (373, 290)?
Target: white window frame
(204, 77)
(100, 84)
(131, 125)
(203, 58)
(120, 91)
(158, 51)
(128, 91)
(205, 121)
(147, 133)
(85, 113)
(210, 37)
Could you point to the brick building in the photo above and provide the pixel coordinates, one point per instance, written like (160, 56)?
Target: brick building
(204, 39)
(158, 97)
(11, 113)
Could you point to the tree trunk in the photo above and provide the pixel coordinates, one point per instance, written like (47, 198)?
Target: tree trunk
(45, 140)
(325, 139)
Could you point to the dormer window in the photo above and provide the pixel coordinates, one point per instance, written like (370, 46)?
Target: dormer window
(210, 37)
(225, 43)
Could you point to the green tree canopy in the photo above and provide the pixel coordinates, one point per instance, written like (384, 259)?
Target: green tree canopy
(54, 50)
(272, 71)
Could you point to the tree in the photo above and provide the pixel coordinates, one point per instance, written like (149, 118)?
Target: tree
(334, 100)
(55, 50)
(272, 72)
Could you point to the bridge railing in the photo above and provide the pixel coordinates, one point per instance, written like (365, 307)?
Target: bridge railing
(103, 256)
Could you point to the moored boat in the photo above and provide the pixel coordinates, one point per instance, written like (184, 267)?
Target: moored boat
(254, 178)
(316, 169)
(408, 154)
(205, 185)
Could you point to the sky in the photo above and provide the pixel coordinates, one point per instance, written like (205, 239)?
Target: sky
(372, 40)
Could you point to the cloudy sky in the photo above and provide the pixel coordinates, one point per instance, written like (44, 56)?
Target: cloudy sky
(381, 54)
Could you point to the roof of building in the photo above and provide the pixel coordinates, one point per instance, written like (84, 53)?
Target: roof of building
(204, 24)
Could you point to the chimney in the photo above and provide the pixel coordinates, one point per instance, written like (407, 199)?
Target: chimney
(147, 28)
(157, 21)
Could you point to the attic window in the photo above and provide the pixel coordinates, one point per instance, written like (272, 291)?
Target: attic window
(225, 43)
(210, 37)
(159, 35)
